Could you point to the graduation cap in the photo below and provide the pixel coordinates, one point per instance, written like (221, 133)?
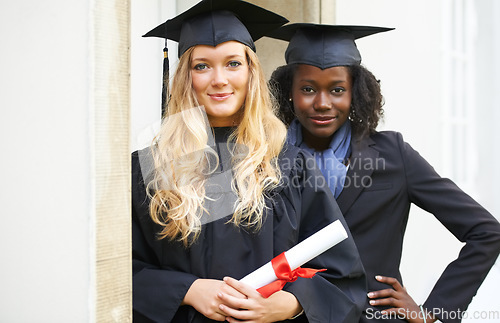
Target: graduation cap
(323, 46)
(212, 22)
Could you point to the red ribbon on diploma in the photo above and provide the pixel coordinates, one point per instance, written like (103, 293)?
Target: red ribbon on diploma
(285, 274)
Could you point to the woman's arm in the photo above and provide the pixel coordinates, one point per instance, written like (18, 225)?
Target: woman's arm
(468, 221)
(400, 302)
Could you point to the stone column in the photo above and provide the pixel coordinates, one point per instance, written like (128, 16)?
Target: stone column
(110, 159)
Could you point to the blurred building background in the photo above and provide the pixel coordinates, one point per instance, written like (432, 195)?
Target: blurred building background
(80, 89)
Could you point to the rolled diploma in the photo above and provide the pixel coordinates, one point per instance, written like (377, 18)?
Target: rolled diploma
(298, 255)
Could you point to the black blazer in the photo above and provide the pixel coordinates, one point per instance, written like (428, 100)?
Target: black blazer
(384, 178)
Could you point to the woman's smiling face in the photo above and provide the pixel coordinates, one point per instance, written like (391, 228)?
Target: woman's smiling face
(322, 101)
(220, 80)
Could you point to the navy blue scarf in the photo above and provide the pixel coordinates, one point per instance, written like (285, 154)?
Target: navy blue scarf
(331, 160)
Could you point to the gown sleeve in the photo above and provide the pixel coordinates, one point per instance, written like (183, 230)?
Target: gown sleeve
(158, 293)
(339, 293)
(468, 221)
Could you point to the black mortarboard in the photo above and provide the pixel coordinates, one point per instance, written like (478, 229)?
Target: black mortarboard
(323, 46)
(212, 22)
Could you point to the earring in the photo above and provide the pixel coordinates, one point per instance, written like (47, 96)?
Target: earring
(290, 99)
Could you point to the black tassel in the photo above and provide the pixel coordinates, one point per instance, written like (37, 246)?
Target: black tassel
(165, 93)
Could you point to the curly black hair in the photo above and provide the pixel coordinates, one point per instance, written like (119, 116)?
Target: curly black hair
(366, 102)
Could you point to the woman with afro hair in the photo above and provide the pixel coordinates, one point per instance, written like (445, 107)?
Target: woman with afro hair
(332, 105)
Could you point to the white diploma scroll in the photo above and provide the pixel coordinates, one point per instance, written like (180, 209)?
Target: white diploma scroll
(304, 251)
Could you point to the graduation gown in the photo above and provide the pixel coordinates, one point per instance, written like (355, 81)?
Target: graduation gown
(164, 270)
(385, 177)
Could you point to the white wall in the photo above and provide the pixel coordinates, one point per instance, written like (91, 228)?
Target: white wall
(146, 64)
(45, 164)
(487, 81)
(65, 167)
(408, 63)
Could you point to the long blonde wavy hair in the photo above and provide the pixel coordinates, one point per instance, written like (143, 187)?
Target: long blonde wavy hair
(181, 156)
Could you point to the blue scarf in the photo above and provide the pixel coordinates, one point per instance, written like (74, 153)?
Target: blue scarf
(331, 160)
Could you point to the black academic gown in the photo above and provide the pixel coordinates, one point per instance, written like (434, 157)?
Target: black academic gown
(164, 270)
(385, 177)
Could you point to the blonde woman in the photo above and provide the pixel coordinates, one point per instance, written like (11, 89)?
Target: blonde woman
(219, 193)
